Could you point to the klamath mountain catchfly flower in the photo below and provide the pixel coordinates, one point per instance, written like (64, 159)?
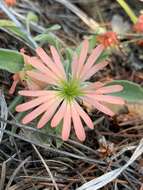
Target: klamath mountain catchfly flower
(108, 39)
(10, 2)
(60, 100)
(138, 26)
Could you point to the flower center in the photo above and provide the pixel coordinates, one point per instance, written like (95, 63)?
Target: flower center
(70, 89)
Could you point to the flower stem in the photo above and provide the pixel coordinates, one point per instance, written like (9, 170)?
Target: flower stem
(128, 10)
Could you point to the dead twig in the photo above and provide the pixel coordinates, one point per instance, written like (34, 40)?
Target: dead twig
(91, 23)
(46, 166)
(15, 172)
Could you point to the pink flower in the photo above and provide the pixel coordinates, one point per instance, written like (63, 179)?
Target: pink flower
(138, 27)
(108, 39)
(10, 2)
(22, 77)
(60, 100)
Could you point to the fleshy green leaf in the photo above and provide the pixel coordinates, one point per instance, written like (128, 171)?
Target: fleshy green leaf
(48, 38)
(58, 131)
(53, 28)
(17, 100)
(32, 17)
(6, 23)
(11, 61)
(69, 54)
(92, 42)
(18, 32)
(104, 56)
(10, 26)
(132, 92)
(15, 31)
(47, 129)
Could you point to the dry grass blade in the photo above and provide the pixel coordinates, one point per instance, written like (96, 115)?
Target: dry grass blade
(91, 23)
(3, 175)
(46, 166)
(3, 172)
(61, 152)
(15, 172)
(122, 152)
(110, 176)
(74, 143)
(4, 114)
(36, 27)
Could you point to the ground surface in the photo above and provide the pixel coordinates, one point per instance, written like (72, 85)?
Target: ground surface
(22, 156)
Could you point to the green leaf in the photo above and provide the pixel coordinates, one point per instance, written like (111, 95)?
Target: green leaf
(9, 25)
(6, 23)
(47, 129)
(53, 28)
(18, 32)
(17, 100)
(11, 61)
(104, 56)
(132, 92)
(69, 54)
(48, 38)
(92, 42)
(32, 17)
(58, 131)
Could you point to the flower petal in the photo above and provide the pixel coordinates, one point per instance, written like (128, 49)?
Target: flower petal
(109, 89)
(31, 104)
(106, 98)
(41, 77)
(79, 130)
(82, 56)
(93, 86)
(59, 115)
(84, 115)
(32, 85)
(35, 93)
(36, 112)
(49, 113)
(66, 123)
(92, 59)
(48, 61)
(74, 64)
(93, 70)
(16, 80)
(36, 63)
(57, 60)
(99, 106)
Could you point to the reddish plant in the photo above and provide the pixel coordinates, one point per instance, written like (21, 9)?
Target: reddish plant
(138, 27)
(10, 2)
(108, 39)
